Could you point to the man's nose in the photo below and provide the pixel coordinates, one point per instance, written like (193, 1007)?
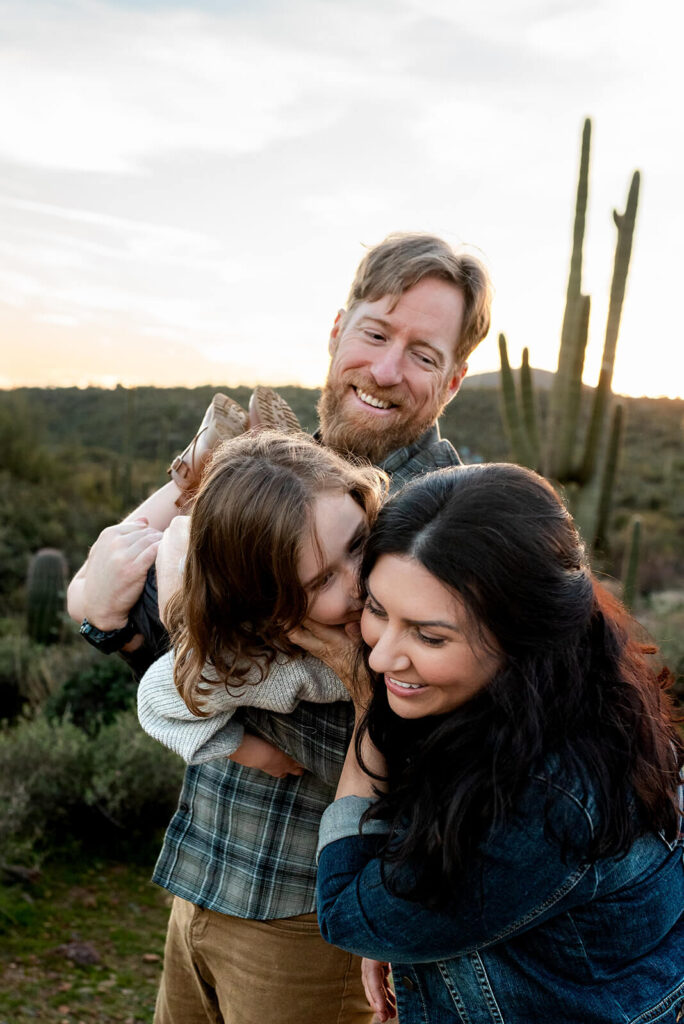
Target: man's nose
(387, 366)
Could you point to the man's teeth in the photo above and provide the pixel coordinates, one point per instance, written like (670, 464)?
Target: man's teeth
(369, 400)
(406, 686)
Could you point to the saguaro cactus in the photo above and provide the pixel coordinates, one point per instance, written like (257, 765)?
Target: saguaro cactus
(565, 394)
(589, 475)
(45, 595)
(624, 223)
(629, 588)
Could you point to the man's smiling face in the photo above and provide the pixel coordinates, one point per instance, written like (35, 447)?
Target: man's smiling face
(392, 369)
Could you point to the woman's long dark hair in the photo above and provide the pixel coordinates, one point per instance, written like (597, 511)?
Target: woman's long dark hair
(575, 689)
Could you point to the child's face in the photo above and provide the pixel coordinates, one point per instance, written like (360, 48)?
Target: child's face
(330, 557)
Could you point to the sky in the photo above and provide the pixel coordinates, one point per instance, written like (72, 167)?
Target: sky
(186, 188)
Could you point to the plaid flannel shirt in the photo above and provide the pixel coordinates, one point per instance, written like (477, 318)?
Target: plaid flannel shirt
(244, 843)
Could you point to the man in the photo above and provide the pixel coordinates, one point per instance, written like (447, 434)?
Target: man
(243, 946)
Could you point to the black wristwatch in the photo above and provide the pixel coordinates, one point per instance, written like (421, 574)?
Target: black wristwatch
(107, 641)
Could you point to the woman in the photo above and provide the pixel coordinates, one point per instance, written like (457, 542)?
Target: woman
(519, 858)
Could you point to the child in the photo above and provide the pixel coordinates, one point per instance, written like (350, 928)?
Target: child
(275, 536)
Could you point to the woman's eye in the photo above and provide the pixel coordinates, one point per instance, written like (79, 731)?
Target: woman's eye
(372, 608)
(431, 641)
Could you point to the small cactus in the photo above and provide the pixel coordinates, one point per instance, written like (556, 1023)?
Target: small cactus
(629, 584)
(515, 425)
(45, 596)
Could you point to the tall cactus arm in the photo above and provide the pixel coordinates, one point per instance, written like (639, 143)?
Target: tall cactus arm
(623, 249)
(565, 387)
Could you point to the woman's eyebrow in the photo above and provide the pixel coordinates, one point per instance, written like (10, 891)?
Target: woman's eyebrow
(418, 622)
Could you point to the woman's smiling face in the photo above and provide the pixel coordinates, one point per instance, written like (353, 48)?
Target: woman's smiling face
(422, 641)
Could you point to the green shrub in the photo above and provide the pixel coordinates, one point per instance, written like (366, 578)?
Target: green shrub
(62, 790)
(44, 774)
(24, 675)
(135, 780)
(31, 673)
(92, 696)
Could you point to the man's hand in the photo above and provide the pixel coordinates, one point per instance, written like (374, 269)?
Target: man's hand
(114, 574)
(338, 648)
(254, 752)
(379, 991)
(171, 560)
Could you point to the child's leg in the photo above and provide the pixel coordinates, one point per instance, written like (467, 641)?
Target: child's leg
(160, 508)
(223, 419)
(268, 410)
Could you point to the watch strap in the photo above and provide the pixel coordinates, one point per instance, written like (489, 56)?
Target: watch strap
(107, 641)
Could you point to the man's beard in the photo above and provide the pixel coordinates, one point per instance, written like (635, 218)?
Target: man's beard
(368, 436)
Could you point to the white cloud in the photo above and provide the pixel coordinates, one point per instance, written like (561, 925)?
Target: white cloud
(206, 174)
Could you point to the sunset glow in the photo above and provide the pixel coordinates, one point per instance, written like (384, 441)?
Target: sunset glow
(186, 189)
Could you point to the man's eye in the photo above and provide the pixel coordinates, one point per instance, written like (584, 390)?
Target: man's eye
(427, 360)
(374, 335)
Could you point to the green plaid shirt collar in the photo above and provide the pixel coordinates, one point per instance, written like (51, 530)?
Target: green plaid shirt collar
(244, 844)
(428, 453)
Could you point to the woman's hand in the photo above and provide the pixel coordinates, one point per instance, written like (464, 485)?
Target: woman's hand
(171, 561)
(338, 648)
(379, 991)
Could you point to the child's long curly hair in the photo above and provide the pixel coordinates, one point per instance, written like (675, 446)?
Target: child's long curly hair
(241, 592)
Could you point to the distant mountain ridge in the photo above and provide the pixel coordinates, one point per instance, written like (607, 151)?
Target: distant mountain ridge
(542, 379)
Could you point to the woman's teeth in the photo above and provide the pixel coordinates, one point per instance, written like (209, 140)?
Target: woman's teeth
(406, 686)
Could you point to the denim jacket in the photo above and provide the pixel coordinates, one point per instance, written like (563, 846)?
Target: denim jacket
(530, 936)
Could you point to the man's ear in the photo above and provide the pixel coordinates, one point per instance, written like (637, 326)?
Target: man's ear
(335, 333)
(456, 380)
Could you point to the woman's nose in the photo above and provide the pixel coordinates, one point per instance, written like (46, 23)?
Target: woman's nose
(387, 655)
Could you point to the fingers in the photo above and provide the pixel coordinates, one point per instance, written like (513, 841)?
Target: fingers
(306, 639)
(375, 977)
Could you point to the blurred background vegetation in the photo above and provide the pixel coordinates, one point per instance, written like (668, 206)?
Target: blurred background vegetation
(75, 767)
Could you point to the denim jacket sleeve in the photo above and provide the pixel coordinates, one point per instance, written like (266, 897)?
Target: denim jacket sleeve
(517, 881)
